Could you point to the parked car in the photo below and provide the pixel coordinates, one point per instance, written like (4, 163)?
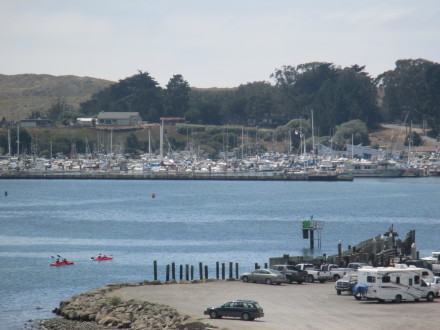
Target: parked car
(346, 283)
(356, 265)
(268, 276)
(247, 310)
(292, 274)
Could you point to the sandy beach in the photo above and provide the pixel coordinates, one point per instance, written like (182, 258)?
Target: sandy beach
(289, 306)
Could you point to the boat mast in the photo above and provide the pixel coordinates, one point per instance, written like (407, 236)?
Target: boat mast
(149, 141)
(313, 135)
(18, 139)
(290, 140)
(9, 144)
(161, 138)
(409, 141)
(242, 141)
(352, 138)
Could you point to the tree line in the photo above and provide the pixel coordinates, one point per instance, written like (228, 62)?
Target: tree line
(336, 95)
(345, 102)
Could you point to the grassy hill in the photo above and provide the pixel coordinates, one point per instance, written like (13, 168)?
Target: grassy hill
(23, 93)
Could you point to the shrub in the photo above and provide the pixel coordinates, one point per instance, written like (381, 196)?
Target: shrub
(115, 300)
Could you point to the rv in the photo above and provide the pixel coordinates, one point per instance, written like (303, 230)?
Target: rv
(397, 283)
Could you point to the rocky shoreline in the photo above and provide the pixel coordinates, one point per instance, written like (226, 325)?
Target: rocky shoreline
(99, 309)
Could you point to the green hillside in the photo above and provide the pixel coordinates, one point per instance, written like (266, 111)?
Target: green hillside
(22, 94)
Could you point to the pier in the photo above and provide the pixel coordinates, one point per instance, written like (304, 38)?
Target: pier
(178, 176)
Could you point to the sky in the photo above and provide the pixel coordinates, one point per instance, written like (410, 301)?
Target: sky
(212, 43)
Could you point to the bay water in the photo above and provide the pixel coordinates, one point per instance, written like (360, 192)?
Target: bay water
(186, 222)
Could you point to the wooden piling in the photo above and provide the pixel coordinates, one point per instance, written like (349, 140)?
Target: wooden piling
(155, 269)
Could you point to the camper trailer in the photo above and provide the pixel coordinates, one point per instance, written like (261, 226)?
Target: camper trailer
(397, 283)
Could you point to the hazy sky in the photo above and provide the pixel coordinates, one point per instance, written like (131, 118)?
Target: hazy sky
(212, 43)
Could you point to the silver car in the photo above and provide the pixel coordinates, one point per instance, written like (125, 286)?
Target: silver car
(268, 276)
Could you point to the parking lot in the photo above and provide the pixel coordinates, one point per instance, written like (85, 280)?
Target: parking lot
(289, 306)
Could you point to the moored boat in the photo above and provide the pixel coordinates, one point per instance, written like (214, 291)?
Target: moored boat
(62, 263)
(101, 258)
(366, 168)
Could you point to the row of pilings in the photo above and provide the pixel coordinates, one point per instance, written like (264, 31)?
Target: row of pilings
(187, 272)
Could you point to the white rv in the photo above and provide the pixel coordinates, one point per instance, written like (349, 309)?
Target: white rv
(397, 283)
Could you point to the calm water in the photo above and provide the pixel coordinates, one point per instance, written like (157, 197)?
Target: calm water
(188, 222)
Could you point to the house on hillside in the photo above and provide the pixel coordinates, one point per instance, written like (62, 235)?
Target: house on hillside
(119, 119)
(35, 123)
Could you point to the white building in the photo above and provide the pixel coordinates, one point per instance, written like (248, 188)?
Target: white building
(119, 119)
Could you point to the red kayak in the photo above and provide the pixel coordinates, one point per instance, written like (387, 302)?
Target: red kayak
(62, 263)
(102, 258)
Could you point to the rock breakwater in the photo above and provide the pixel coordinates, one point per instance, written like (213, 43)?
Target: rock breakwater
(100, 309)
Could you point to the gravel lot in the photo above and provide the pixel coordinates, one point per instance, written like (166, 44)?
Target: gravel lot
(289, 306)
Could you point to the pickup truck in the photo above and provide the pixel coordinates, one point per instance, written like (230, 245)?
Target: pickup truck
(314, 274)
(335, 272)
(292, 274)
(346, 283)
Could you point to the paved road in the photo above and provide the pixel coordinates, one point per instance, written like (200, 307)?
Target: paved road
(290, 306)
(427, 140)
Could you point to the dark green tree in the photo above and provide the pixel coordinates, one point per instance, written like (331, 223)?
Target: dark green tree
(355, 130)
(177, 96)
(24, 143)
(138, 93)
(60, 111)
(253, 101)
(405, 90)
(132, 144)
(414, 138)
(334, 95)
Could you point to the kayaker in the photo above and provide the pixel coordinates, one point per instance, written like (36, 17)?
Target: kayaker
(65, 260)
(58, 261)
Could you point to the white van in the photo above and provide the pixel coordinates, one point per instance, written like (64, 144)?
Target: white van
(397, 283)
